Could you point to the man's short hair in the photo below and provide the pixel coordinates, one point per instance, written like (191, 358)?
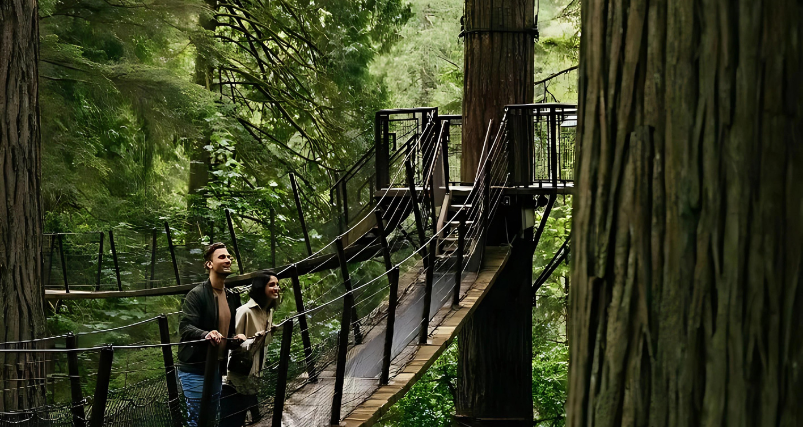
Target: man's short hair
(210, 250)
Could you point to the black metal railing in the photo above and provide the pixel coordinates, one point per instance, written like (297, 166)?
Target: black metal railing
(542, 144)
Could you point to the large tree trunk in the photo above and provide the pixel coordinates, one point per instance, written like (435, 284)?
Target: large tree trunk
(21, 289)
(495, 346)
(200, 158)
(687, 293)
(498, 69)
(495, 349)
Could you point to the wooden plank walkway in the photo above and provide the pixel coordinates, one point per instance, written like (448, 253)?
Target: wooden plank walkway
(364, 400)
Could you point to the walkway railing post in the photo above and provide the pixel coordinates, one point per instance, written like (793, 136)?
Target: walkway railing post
(486, 205)
(445, 153)
(50, 259)
(458, 271)
(77, 395)
(419, 222)
(210, 370)
(170, 373)
(345, 204)
(342, 351)
(300, 213)
(172, 253)
(63, 263)
(281, 376)
(383, 240)
(553, 147)
(153, 257)
(430, 274)
(240, 265)
(100, 262)
(393, 302)
(116, 261)
(102, 386)
(302, 323)
(344, 271)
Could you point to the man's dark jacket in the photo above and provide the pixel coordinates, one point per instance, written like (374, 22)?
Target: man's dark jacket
(200, 316)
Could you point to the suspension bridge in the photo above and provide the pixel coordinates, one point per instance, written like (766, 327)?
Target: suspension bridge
(417, 251)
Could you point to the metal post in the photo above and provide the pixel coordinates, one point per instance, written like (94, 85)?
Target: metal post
(210, 369)
(240, 265)
(50, 258)
(342, 351)
(344, 271)
(281, 377)
(100, 262)
(430, 274)
(77, 408)
(172, 253)
(102, 386)
(302, 322)
(486, 207)
(153, 257)
(419, 222)
(553, 155)
(383, 240)
(382, 150)
(63, 263)
(116, 261)
(273, 237)
(345, 205)
(300, 213)
(458, 272)
(445, 153)
(170, 373)
(393, 302)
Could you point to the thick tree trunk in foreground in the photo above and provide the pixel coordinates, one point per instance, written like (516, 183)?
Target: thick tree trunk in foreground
(498, 69)
(495, 346)
(687, 292)
(21, 290)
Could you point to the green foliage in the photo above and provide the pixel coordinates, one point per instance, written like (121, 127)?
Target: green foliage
(550, 345)
(430, 401)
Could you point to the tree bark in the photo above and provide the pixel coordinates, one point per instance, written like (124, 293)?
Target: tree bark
(495, 349)
(495, 346)
(687, 297)
(498, 69)
(21, 288)
(200, 157)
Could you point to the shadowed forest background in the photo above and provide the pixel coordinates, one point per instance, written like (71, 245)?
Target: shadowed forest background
(168, 111)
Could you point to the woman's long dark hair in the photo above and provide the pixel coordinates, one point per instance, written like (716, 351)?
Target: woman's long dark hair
(257, 293)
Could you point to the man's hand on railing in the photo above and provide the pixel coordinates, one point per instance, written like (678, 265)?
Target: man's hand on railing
(214, 336)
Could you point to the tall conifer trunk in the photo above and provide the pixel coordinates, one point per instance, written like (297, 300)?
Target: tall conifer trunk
(495, 345)
(200, 158)
(687, 287)
(21, 289)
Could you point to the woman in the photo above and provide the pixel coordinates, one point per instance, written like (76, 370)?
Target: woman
(255, 321)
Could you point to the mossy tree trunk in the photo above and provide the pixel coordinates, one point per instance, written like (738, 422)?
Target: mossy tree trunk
(21, 288)
(687, 293)
(200, 157)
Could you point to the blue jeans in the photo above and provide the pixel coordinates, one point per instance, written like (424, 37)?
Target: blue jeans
(193, 385)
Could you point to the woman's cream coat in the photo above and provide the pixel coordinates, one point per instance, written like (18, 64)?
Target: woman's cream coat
(250, 319)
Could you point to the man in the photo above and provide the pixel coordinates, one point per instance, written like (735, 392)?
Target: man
(208, 313)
